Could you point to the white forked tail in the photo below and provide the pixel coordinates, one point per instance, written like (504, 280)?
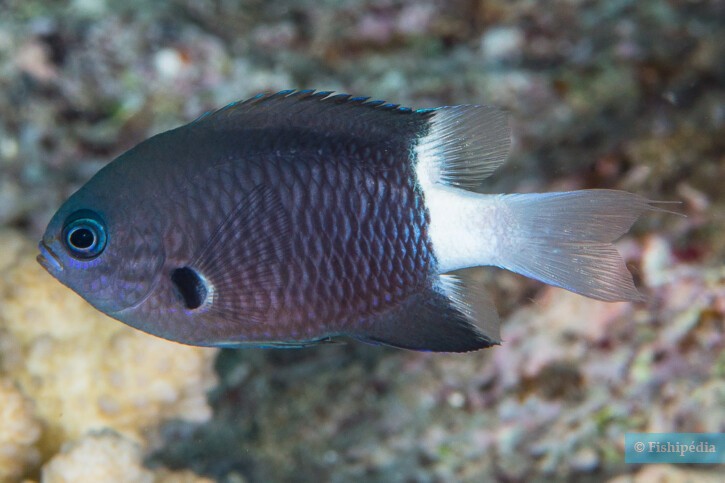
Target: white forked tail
(565, 239)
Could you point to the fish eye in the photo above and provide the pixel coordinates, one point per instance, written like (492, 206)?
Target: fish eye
(85, 237)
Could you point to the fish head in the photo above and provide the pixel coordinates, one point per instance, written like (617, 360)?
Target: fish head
(105, 243)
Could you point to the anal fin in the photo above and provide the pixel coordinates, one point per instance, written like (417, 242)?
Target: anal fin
(470, 297)
(455, 316)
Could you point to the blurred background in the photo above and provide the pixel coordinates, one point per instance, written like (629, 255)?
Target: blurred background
(602, 94)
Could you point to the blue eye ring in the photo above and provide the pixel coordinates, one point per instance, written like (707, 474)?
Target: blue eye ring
(85, 238)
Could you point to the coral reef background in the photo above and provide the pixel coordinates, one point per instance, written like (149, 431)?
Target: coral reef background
(603, 94)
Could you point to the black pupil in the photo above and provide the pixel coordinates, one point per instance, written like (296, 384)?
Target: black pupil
(82, 238)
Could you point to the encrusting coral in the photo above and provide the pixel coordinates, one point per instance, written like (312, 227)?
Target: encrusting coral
(83, 371)
(19, 432)
(108, 456)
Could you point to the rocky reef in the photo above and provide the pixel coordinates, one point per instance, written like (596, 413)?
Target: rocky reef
(617, 94)
(68, 372)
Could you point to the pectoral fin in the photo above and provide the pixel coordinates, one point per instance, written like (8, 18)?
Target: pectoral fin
(240, 263)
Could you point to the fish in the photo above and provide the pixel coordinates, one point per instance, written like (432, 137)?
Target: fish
(305, 217)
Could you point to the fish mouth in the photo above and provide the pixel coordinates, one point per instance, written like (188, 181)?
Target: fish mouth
(47, 259)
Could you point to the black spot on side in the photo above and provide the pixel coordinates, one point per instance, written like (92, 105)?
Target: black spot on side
(190, 288)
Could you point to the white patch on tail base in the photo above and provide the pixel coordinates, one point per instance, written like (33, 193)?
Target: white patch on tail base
(465, 145)
(563, 239)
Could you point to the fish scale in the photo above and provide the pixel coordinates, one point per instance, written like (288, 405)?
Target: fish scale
(372, 235)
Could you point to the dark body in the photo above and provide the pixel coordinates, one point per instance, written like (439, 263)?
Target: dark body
(283, 220)
(297, 217)
(320, 228)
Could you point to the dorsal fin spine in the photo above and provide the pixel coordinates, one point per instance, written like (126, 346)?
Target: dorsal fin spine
(329, 98)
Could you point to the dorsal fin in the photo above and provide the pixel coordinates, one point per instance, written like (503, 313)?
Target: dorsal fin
(464, 145)
(322, 111)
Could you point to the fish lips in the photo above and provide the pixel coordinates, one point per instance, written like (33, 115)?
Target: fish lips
(49, 260)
